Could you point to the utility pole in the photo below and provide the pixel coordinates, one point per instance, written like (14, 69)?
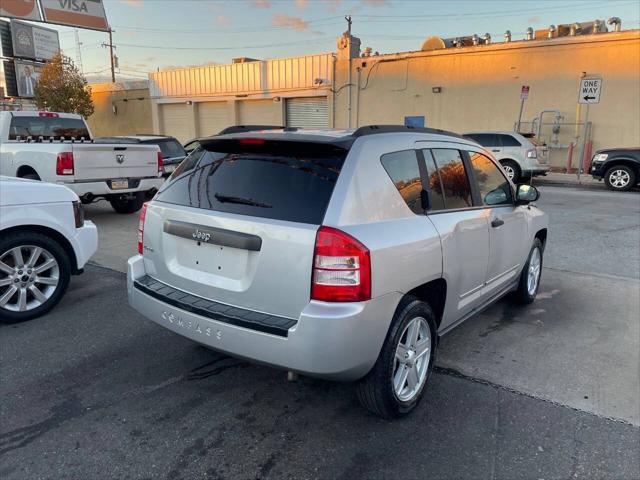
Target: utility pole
(348, 19)
(111, 47)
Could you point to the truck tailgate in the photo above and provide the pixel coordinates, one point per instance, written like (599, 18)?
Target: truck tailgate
(104, 161)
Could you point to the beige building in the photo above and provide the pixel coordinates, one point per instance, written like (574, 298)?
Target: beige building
(122, 108)
(472, 86)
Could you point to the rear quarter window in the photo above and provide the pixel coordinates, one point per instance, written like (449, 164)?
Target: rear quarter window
(286, 182)
(402, 168)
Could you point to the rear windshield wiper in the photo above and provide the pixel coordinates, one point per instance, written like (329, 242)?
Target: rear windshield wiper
(240, 200)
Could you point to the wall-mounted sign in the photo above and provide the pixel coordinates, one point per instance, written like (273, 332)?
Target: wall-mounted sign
(414, 121)
(27, 74)
(590, 89)
(27, 9)
(76, 13)
(34, 42)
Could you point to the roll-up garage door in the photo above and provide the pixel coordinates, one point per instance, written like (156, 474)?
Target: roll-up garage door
(175, 121)
(309, 112)
(259, 112)
(212, 117)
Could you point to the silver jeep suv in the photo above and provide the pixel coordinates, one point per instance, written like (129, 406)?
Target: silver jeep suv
(342, 254)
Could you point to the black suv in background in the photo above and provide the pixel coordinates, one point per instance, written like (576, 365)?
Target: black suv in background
(172, 150)
(619, 167)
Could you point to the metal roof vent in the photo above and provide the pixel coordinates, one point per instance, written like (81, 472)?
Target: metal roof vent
(487, 38)
(552, 31)
(507, 36)
(529, 33)
(616, 22)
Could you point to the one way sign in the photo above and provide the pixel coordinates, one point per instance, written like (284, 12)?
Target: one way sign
(590, 89)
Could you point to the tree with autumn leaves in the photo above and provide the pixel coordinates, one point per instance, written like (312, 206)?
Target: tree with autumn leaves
(61, 87)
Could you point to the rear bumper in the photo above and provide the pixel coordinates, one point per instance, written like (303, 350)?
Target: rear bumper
(339, 341)
(85, 243)
(102, 187)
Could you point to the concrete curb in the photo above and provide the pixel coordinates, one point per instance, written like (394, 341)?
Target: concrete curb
(569, 184)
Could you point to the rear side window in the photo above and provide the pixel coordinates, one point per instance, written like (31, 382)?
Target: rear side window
(436, 197)
(485, 139)
(170, 148)
(403, 169)
(453, 177)
(284, 181)
(509, 141)
(24, 127)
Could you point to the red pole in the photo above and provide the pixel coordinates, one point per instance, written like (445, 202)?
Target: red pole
(587, 156)
(569, 157)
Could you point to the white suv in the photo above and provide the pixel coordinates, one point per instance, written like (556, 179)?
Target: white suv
(44, 239)
(341, 254)
(522, 157)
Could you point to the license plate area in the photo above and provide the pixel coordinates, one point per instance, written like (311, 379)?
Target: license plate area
(119, 184)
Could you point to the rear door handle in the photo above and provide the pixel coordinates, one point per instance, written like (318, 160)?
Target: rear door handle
(496, 222)
(495, 150)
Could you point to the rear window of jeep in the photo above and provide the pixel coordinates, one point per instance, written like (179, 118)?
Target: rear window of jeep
(290, 181)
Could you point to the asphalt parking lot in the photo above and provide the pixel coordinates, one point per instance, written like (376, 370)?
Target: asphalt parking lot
(93, 390)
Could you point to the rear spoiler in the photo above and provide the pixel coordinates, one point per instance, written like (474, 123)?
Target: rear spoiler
(250, 128)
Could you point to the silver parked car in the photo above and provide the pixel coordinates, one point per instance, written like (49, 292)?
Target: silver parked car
(521, 155)
(341, 254)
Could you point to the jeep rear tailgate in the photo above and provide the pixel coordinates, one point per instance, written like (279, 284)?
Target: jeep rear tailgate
(240, 227)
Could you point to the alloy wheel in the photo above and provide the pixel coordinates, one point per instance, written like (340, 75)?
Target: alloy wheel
(29, 276)
(411, 362)
(509, 171)
(533, 274)
(619, 178)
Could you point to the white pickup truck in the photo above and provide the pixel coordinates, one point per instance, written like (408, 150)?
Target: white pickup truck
(58, 148)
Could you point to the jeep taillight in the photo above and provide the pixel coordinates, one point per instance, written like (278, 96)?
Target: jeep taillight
(64, 163)
(160, 162)
(143, 214)
(341, 268)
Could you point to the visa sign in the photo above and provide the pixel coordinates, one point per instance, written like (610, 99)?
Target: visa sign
(76, 13)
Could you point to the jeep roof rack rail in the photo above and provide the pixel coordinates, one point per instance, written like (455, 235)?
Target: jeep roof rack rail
(249, 128)
(376, 129)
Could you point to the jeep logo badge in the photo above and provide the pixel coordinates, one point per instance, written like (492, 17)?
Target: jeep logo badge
(203, 236)
(120, 158)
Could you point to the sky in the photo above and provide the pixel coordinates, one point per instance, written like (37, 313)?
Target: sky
(159, 34)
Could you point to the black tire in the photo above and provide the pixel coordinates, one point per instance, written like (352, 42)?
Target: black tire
(522, 294)
(517, 173)
(31, 176)
(611, 182)
(11, 240)
(128, 204)
(375, 391)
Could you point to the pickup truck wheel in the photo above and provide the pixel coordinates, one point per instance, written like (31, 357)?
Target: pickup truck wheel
(128, 204)
(530, 276)
(620, 178)
(34, 275)
(512, 170)
(396, 383)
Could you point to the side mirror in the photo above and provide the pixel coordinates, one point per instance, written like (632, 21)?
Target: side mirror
(527, 194)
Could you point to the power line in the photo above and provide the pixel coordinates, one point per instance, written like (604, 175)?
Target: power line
(494, 13)
(242, 47)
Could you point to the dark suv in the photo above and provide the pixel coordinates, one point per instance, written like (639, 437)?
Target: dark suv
(172, 150)
(619, 167)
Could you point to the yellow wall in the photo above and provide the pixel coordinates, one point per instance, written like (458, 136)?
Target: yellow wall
(481, 87)
(132, 116)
